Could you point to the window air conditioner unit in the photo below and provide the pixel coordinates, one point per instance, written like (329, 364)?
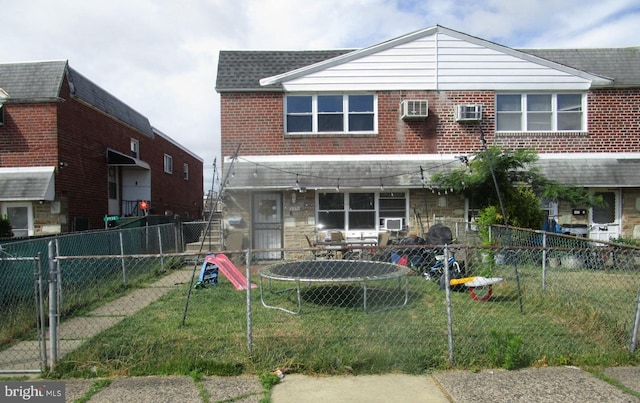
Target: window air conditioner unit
(393, 224)
(468, 113)
(414, 109)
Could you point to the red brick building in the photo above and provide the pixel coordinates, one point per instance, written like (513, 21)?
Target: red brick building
(71, 154)
(347, 140)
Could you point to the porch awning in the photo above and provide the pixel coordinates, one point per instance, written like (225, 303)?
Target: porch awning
(27, 183)
(116, 158)
(404, 172)
(593, 170)
(379, 172)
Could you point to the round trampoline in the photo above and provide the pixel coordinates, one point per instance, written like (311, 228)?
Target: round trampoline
(362, 273)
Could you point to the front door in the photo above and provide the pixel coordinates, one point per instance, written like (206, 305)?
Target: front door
(266, 220)
(113, 182)
(605, 220)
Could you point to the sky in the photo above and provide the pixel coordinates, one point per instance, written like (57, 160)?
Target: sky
(160, 56)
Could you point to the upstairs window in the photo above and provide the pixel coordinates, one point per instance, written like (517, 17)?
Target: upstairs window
(185, 171)
(135, 148)
(540, 112)
(331, 113)
(168, 164)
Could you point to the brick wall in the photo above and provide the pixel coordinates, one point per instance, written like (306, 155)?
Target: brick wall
(73, 133)
(255, 120)
(171, 192)
(86, 133)
(29, 135)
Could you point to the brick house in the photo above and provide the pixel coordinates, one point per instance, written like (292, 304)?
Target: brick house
(348, 139)
(71, 154)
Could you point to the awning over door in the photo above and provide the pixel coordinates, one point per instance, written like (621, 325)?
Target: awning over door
(27, 183)
(116, 158)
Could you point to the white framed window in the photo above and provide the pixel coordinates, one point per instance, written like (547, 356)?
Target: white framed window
(331, 113)
(359, 210)
(135, 148)
(541, 112)
(168, 164)
(20, 216)
(185, 171)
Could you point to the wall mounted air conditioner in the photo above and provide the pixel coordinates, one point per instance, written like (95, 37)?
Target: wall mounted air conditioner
(393, 224)
(414, 109)
(468, 113)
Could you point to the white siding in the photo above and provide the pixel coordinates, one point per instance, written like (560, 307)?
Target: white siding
(438, 62)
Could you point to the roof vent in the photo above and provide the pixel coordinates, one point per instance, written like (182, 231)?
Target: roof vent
(414, 109)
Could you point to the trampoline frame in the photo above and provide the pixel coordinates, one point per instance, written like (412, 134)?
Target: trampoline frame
(392, 271)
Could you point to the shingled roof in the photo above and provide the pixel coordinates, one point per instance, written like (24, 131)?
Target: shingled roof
(32, 82)
(242, 70)
(41, 82)
(620, 64)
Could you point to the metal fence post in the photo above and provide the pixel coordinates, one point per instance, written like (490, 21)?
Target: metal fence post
(544, 261)
(178, 228)
(636, 326)
(53, 305)
(124, 269)
(249, 323)
(160, 247)
(448, 298)
(42, 318)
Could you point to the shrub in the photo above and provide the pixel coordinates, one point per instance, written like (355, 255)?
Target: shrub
(5, 227)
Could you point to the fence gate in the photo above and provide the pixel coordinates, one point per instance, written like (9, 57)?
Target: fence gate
(266, 219)
(22, 313)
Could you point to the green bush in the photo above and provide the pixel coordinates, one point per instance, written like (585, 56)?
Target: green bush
(5, 227)
(506, 350)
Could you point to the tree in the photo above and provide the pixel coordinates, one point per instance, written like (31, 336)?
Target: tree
(519, 181)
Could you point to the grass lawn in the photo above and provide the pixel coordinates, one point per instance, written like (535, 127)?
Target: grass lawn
(581, 318)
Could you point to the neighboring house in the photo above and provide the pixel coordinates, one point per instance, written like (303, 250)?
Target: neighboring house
(72, 154)
(348, 139)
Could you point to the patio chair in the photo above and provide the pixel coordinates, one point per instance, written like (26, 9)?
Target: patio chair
(383, 239)
(318, 253)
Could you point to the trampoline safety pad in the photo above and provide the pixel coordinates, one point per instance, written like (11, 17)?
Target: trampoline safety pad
(363, 274)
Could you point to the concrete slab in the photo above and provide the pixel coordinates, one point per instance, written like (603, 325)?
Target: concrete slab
(358, 389)
(74, 389)
(166, 389)
(85, 327)
(551, 384)
(628, 376)
(242, 389)
(24, 356)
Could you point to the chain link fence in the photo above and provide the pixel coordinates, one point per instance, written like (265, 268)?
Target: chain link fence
(64, 280)
(532, 298)
(505, 306)
(21, 311)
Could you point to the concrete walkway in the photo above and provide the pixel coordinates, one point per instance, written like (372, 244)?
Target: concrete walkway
(550, 384)
(25, 356)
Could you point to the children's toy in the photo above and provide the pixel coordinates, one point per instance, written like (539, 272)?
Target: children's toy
(480, 288)
(220, 264)
(208, 272)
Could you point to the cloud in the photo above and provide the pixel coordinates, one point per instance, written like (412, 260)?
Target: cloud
(160, 56)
